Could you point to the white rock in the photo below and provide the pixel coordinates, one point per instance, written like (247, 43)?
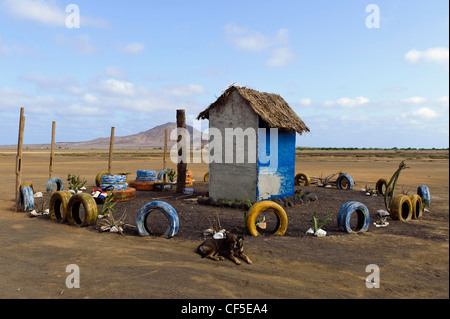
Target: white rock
(218, 235)
(320, 233)
(35, 213)
(382, 213)
(310, 231)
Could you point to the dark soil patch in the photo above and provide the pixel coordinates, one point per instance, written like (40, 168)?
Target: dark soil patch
(195, 218)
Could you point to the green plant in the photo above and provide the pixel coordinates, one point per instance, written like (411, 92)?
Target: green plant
(108, 205)
(315, 221)
(110, 222)
(171, 174)
(75, 182)
(391, 185)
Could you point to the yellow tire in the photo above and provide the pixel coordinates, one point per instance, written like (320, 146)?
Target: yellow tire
(58, 206)
(302, 179)
(401, 208)
(98, 178)
(417, 206)
(260, 207)
(206, 177)
(90, 210)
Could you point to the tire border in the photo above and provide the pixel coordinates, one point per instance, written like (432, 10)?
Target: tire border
(297, 179)
(396, 206)
(52, 181)
(350, 184)
(414, 199)
(64, 197)
(169, 212)
(90, 208)
(424, 192)
(345, 212)
(258, 208)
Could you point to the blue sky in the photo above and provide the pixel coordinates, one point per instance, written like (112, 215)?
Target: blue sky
(132, 64)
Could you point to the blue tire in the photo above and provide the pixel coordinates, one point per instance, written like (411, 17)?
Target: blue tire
(161, 174)
(345, 181)
(346, 211)
(26, 199)
(168, 211)
(51, 183)
(424, 193)
(146, 178)
(146, 173)
(116, 187)
(113, 179)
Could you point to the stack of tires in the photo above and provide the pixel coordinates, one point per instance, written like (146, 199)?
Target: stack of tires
(114, 182)
(118, 185)
(145, 180)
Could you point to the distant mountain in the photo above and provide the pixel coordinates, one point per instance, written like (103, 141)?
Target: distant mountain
(150, 139)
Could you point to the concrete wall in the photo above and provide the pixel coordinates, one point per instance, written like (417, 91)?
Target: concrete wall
(276, 169)
(233, 181)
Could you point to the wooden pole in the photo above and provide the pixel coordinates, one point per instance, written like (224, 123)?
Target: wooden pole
(52, 150)
(111, 146)
(181, 141)
(19, 157)
(165, 153)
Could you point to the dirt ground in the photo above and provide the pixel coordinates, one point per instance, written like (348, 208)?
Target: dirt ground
(413, 257)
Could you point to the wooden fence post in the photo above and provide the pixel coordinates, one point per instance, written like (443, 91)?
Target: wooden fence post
(52, 151)
(19, 157)
(181, 141)
(111, 146)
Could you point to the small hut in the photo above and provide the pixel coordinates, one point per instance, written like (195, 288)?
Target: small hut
(259, 129)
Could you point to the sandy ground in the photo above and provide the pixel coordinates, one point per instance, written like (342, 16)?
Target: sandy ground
(36, 251)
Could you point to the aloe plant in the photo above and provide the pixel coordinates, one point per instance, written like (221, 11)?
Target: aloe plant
(108, 204)
(315, 221)
(75, 182)
(391, 185)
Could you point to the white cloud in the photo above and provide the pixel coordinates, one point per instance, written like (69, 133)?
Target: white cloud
(280, 57)
(46, 13)
(81, 43)
(347, 102)
(306, 101)
(439, 55)
(252, 41)
(115, 87)
(425, 113)
(442, 101)
(133, 48)
(12, 49)
(67, 85)
(414, 100)
(184, 90)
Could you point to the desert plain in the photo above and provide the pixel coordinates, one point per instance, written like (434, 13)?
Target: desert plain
(413, 264)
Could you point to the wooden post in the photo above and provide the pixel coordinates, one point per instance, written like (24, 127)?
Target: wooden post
(111, 146)
(52, 151)
(181, 141)
(19, 157)
(165, 153)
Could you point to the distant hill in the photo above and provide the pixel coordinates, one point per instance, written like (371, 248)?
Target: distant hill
(150, 139)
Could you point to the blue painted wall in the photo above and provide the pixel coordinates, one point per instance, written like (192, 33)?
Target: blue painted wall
(276, 167)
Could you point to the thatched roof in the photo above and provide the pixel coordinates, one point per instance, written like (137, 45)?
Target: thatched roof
(271, 107)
